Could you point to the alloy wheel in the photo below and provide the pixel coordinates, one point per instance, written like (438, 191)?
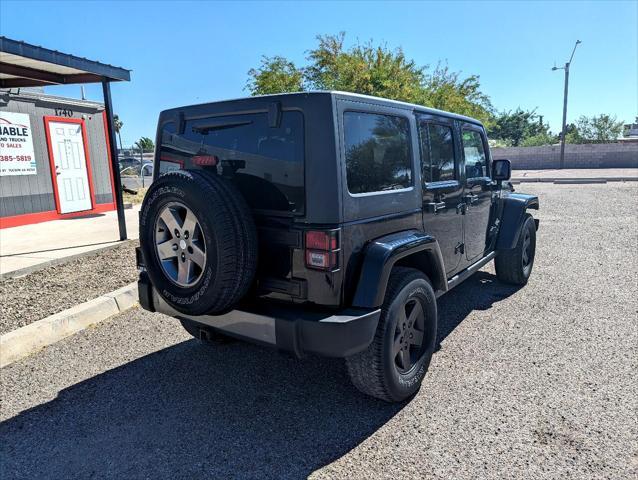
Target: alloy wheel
(179, 244)
(409, 335)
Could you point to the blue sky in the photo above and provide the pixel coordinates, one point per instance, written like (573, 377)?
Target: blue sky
(192, 52)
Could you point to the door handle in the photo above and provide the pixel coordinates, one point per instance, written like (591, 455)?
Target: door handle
(471, 199)
(434, 207)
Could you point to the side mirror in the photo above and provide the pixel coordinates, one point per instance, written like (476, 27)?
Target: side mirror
(501, 170)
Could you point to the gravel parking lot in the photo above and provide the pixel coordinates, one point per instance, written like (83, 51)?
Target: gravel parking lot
(56, 288)
(538, 382)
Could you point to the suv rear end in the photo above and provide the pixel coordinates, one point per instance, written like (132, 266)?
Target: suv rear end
(278, 152)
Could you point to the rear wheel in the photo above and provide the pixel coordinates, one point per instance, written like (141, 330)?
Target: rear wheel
(393, 366)
(515, 266)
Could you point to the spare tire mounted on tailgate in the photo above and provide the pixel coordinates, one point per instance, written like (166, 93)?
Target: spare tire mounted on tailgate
(199, 242)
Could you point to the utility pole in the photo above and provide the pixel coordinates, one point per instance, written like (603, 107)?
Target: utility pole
(562, 137)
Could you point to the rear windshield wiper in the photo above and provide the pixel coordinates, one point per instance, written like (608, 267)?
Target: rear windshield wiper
(204, 129)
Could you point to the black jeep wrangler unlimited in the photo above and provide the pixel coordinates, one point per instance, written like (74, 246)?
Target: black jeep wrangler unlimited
(326, 223)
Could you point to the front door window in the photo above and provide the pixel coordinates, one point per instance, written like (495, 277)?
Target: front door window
(475, 158)
(477, 194)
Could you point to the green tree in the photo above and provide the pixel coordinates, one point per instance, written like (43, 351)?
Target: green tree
(538, 140)
(145, 144)
(371, 70)
(571, 134)
(364, 69)
(118, 124)
(514, 127)
(275, 75)
(446, 90)
(597, 129)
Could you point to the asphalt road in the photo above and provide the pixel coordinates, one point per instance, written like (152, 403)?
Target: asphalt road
(532, 383)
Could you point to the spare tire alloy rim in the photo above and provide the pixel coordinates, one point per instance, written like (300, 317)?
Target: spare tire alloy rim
(179, 244)
(409, 335)
(527, 250)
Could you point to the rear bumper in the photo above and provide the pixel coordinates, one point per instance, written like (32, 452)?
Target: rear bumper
(293, 328)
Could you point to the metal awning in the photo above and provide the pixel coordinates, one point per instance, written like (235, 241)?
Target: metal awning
(25, 65)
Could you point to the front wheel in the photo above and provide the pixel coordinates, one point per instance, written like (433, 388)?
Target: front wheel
(515, 266)
(393, 366)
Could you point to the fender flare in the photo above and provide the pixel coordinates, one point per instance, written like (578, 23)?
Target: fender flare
(382, 254)
(514, 207)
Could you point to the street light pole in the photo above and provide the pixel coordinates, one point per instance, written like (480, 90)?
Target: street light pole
(562, 137)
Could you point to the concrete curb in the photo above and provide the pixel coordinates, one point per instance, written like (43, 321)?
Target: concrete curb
(59, 261)
(566, 180)
(29, 339)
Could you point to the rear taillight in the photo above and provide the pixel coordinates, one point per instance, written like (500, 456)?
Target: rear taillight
(205, 160)
(319, 240)
(321, 249)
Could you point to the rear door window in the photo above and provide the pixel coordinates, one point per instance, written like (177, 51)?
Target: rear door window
(437, 150)
(377, 149)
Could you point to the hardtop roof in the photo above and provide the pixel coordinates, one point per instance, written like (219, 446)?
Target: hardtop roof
(399, 104)
(347, 96)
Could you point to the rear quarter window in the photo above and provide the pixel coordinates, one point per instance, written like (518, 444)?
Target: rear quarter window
(377, 149)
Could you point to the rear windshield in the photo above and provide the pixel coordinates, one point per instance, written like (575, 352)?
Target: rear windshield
(266, 163)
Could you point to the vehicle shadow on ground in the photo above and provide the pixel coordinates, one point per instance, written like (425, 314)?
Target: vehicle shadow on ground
(479, 292)
(193, 411)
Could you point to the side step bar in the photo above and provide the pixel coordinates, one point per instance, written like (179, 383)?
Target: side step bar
(472, 269)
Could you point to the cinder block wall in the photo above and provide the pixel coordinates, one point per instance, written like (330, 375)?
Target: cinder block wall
(601, 155)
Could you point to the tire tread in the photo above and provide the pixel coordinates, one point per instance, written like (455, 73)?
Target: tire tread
(235, 232)
(508, 262)
(366, 369)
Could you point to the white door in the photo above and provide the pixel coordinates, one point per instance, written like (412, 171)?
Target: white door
(70, 173)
